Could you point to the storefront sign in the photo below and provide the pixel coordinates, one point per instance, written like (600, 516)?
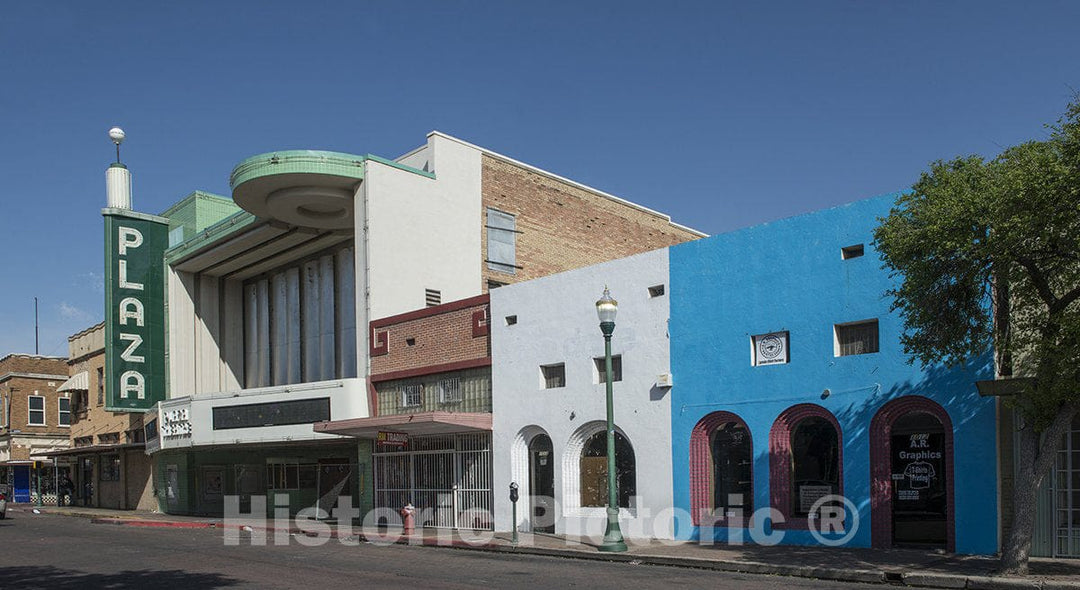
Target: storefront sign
(392, 439)
(917, 468)
(134, 310)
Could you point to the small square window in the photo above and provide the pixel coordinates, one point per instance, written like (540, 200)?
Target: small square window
(412, 395)
(553, 376)
(855, 338)
(511, 320)
(601, 368)
(851, 251)
(656, 291)
(410, 341)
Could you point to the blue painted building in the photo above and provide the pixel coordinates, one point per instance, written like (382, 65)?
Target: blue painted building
(791, 385)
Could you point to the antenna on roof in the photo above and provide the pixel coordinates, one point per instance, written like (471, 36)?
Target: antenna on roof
(35, 327)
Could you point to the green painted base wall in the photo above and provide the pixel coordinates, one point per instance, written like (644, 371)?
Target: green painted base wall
(200, 479)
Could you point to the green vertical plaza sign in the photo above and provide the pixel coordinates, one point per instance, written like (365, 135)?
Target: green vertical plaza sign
(134, 309)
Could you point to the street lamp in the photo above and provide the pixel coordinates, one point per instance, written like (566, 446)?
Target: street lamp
(606, 308)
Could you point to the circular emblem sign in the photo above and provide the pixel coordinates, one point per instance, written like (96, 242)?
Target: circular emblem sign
(771, 347)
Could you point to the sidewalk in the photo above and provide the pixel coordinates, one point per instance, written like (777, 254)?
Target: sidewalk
(908, 567)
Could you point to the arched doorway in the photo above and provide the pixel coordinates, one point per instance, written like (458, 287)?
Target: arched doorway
(911, 462)
(542, 484)
(721, 468)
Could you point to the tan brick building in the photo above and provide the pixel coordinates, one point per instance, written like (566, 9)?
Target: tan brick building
(34, 420)
(560, 225)
(107, 458)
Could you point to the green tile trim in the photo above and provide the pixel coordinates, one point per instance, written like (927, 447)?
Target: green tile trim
(399, 165)
(232, 224)
(297, 162)
(310, 162)
(192, 197)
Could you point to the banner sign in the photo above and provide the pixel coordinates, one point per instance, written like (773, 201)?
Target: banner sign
(134, 310)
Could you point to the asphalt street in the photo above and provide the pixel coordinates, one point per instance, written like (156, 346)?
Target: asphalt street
(59, 552)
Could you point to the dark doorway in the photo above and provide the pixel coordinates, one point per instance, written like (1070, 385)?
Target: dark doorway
(919, 490)
(732, 462)
(542, 484)
(335, 480)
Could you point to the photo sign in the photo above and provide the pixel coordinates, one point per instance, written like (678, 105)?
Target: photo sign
(134, 310)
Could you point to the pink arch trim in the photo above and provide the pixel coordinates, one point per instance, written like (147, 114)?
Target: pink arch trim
(701, 462)
(781, 470)
(881, 528)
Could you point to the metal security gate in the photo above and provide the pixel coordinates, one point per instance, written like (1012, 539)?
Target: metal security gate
(446, 478)
(1066, 491)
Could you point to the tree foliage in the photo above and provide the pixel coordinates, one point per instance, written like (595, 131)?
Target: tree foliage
(1007, 230)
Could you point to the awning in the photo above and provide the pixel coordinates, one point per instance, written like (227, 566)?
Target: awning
(93, 449)
(413, 424)
(78, 382)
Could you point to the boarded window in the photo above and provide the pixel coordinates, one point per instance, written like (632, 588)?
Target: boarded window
(856, 338)
(501, 241)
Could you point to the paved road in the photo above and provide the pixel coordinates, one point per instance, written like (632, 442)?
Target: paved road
(59, 552)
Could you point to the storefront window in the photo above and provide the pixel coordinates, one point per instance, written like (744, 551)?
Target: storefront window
(594, 476)
(110, 468)
(815, 451)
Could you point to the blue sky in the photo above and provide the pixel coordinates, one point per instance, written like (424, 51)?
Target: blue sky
(722, 114)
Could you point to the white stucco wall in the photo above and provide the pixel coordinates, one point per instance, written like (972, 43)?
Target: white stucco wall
(424, 233)
(556, 322)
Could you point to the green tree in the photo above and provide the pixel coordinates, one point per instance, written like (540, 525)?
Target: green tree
(987, 252)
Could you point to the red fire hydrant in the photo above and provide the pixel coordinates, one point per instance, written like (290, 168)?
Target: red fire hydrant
(408, 520)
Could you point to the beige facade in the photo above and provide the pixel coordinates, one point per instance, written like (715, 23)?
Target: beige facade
(108, 464)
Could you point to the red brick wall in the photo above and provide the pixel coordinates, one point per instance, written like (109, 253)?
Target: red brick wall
(442, 334)
(564, 226)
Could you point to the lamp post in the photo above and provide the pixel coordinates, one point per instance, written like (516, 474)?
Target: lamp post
(606, 308)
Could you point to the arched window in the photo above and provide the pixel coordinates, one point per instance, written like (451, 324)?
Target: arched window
(721, 468)
(593, 468)
(806, 458)
(815, 457)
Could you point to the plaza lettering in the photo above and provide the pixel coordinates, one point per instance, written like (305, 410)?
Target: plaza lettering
(132, 315)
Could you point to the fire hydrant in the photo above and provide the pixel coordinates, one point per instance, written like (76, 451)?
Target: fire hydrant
(408, 520)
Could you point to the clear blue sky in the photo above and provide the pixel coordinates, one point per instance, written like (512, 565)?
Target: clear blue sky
(722, 114)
